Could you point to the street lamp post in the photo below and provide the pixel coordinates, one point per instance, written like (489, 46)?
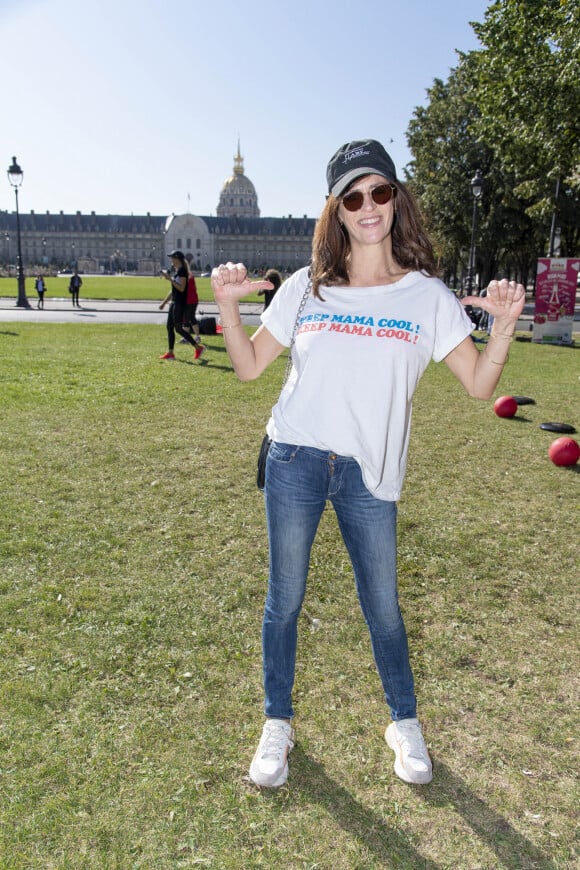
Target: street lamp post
(552, 243)
(476, 185)
(15, 176)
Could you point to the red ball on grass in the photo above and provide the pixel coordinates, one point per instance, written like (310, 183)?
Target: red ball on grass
(505, 406)
(564, 451)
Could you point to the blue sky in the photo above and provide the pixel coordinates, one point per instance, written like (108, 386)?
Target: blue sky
(119, 106)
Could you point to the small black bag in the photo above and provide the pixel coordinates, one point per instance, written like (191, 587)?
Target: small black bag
(262, 457)
(207, 326)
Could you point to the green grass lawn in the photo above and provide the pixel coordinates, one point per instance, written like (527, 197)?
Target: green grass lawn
(124, 287)
(134, 563)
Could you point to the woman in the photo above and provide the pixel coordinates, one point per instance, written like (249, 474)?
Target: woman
(373, 319)
(176, 316)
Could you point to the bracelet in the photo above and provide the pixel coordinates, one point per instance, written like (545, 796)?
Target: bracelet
(493, 334)
(233, 325)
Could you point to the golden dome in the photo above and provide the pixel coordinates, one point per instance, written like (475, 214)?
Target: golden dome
(238, 196)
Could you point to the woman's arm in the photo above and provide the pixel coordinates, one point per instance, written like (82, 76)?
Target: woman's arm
(479, 372)
(249, 356)
(165, 301)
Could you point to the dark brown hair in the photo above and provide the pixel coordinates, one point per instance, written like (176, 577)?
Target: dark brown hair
(412, 248)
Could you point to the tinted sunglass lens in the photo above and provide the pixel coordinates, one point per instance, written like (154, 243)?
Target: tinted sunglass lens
(382, 194)
(353, 201)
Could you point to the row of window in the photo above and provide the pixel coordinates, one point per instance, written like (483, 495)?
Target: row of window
(188, 244)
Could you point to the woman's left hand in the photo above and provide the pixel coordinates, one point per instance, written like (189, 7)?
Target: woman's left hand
(504, 301)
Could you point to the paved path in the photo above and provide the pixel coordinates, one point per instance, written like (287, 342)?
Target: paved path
(60, 310)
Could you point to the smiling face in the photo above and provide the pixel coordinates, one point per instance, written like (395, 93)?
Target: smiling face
(372, 223)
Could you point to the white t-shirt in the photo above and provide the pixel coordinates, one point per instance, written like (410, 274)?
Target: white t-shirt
(357, 359)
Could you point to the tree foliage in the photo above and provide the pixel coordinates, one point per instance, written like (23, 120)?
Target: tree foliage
(528, 87)
(511, 110)
(445, 155)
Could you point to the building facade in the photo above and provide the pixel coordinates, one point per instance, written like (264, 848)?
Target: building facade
(104, 244)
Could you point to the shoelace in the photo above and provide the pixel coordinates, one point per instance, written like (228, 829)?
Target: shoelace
(275, 742)
(411, 738)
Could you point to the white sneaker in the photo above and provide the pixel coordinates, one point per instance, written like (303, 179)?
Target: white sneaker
(412, 762)
(269, 767)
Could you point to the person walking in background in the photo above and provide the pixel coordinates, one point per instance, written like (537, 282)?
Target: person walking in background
(40, 289)
(275, 279)
(364, 322)
(178, 277)
(190, 321)
(75, 284)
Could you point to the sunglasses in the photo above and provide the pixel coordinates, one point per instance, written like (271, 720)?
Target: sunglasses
(381, 195)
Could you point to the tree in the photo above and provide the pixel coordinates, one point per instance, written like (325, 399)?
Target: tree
(511, 110)
(528, 91)
(446, 154)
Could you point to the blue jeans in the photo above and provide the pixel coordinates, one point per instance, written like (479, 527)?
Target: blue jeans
(299, 480)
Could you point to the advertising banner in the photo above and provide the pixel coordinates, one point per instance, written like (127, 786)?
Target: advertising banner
(556, 283)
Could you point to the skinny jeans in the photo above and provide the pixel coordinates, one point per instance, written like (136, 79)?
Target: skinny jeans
(299, 481)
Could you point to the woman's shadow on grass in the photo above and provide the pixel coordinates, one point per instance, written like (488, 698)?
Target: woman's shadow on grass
(390, 845)
(448, 789)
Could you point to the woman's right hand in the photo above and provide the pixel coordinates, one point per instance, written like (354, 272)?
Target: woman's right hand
(230, 283)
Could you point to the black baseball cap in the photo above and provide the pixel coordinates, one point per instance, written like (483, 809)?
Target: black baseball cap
(178, 254)
(355, 159)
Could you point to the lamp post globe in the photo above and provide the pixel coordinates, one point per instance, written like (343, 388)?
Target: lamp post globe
(15, 176)
(476, 185)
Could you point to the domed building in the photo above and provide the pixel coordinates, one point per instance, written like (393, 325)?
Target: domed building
(238, 197)
(139, 244)
(238, 233)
